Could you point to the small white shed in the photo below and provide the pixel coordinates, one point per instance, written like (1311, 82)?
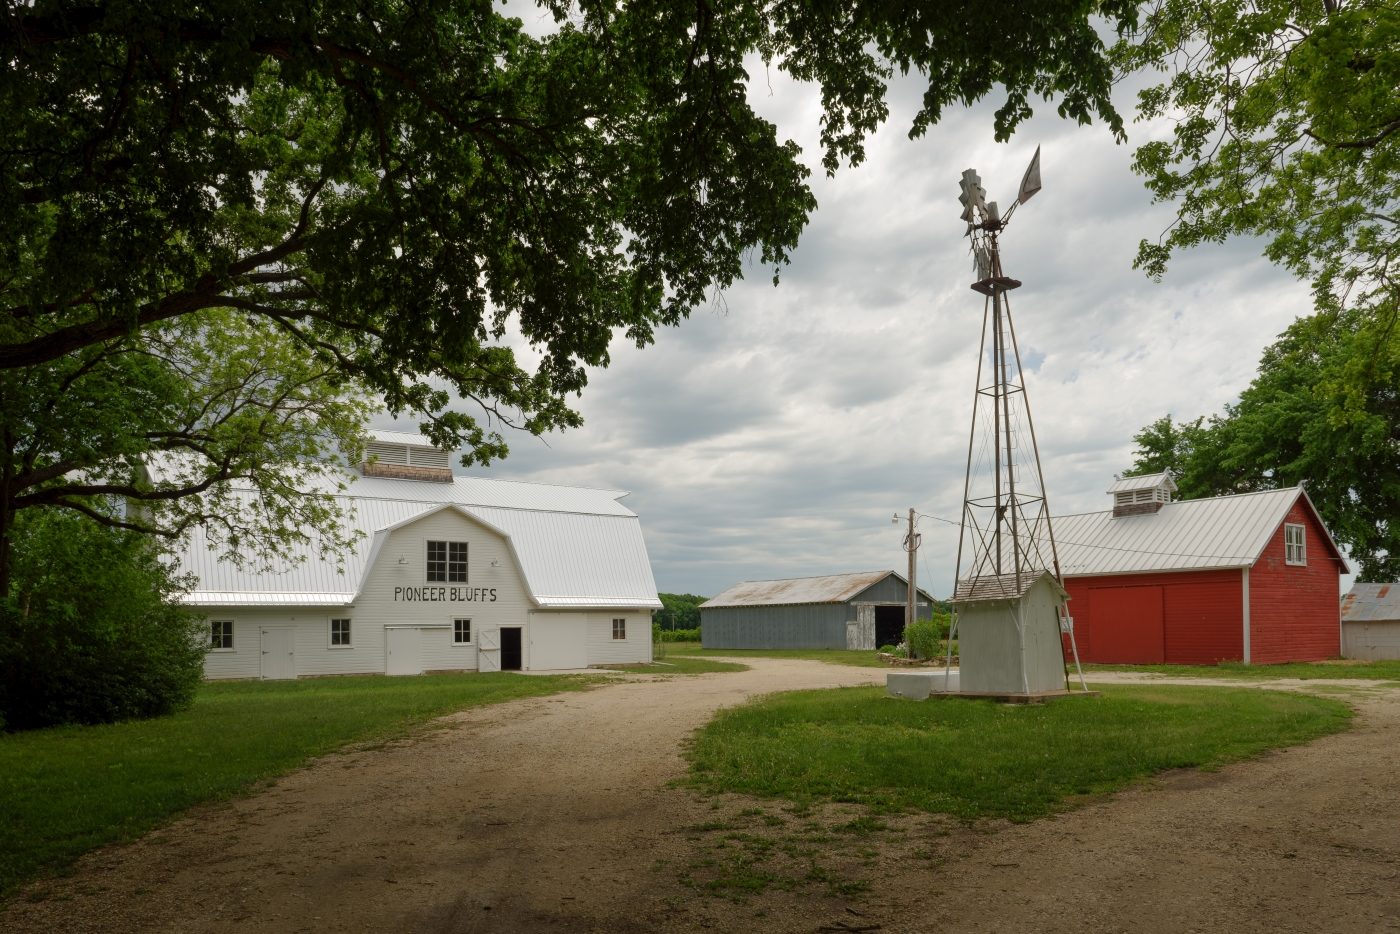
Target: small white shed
(450, 574)
(1371, 622)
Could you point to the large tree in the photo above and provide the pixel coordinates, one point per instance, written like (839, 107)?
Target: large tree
(369, 195)
(1285, 122)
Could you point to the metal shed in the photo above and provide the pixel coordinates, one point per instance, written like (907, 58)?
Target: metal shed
(836, 611)
(1371, 622)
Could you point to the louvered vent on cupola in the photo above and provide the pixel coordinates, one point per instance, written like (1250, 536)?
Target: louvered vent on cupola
(1141, 496)
(400, 455)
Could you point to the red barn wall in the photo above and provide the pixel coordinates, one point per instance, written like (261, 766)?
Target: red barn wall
(1180, 618)
(1295, 612)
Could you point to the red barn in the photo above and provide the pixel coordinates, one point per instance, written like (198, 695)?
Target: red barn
(1252, 578)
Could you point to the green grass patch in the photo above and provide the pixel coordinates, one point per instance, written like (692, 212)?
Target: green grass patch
(680, 666)
(68, 790)
(1306, 671)
(830, 656)
(971, 758)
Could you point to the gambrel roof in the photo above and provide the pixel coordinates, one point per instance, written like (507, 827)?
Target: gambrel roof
(575, 547)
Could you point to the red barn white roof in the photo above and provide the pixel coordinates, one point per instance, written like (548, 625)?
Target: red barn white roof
(1190, 535)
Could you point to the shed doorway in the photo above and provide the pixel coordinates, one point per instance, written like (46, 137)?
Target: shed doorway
(279, 659)
(889, 626)
(404, 654)
(510, 648)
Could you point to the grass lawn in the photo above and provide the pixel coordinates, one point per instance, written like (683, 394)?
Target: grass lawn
(68, 790)
(831, 656)
(1378, 671)
(680, 666)
(973, 758)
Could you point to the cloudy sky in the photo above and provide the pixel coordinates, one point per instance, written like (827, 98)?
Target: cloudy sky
(776, 432)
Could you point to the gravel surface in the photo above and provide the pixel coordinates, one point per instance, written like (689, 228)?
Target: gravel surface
(556, 814)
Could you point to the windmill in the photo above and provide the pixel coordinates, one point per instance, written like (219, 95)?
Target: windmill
(1010, 605)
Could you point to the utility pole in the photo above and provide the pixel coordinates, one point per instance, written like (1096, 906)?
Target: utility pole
(911, 545)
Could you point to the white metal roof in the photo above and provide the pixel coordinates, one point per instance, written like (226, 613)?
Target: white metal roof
(409, 438)
(1371, 602)
(831, 588)
(1148, 481)
(576, 547)
(1193, 534)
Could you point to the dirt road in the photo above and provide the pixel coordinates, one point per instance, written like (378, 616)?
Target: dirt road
(554, 814)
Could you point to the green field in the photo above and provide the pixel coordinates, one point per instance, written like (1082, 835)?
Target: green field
(974, 758)
(681, 665)
(1307, 671)
(68, 790)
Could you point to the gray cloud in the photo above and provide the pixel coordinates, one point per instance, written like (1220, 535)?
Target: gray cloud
(774, 433)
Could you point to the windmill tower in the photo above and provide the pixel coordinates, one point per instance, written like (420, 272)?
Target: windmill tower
(1009, 600)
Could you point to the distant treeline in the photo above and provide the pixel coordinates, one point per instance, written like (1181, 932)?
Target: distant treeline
(679, 611)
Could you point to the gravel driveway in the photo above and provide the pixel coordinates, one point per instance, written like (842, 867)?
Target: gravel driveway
(554, 814)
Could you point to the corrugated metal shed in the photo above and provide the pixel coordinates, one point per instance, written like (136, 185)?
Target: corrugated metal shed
(1194, 534)
(1371, 602)
(577, 547)
(832, 588)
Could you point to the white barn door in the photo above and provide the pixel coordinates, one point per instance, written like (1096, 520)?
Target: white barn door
(558, 641)
(404, 655)
(279, 660)
(488, 650)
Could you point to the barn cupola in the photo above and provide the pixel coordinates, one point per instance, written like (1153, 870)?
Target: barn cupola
(1143, 495)
(400, 455)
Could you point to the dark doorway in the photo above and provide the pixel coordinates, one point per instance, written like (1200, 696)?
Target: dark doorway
(510, 649)
(889, 626)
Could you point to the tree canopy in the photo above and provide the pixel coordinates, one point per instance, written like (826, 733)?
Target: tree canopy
(227, 226)
(1286, 125)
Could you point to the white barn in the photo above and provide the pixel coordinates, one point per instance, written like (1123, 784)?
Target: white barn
(451, 574)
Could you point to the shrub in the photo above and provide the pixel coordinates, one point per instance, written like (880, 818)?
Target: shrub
(681, 635)
(89, 632)
(926, 636)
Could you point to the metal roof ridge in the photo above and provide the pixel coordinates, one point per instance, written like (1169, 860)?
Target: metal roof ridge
(813, 577)
(562, 486)
(1184, 502)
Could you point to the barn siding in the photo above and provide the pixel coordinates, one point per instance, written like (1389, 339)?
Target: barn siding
(1202, 615)
(892, 590)
(1295, 612)
(603, 649)
(806, 626)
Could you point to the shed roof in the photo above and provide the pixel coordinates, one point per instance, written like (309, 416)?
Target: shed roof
(1371, 602)
(575, 547)
(1193, 534)
(830, 588)
(1001, 586)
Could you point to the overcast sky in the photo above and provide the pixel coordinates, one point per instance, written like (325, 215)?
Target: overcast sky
(776, 432)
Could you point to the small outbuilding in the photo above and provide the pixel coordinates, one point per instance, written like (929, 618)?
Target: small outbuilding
(1253, 577)
(836, 611)
(449, 574)
(1371, 622)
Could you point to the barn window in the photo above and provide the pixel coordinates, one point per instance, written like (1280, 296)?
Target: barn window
(619, 629)
(1295, 549)
(447, 562)
(461, 631)
(222, 635)
(340, 633)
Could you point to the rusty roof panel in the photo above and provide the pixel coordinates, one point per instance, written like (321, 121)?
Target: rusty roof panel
(1371, 602)
(832, 588)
